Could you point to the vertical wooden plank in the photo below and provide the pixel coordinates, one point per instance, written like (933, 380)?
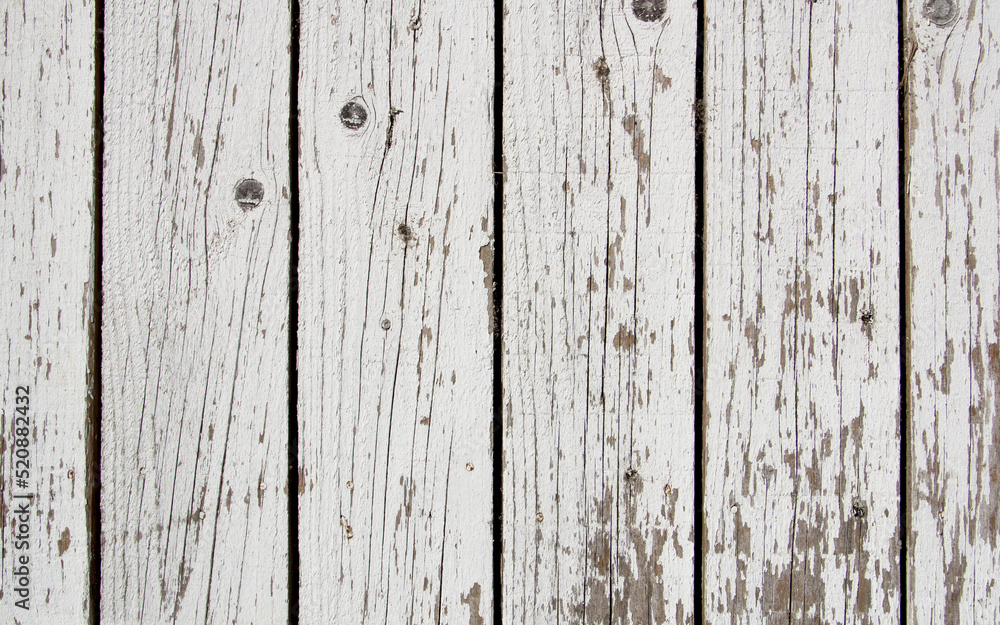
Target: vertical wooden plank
(952, 190)
(46, 306)
(802, 312)
(195, 343)
(395, 346)
(598, 329)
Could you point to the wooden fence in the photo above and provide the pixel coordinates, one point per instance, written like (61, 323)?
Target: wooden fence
(630, 311)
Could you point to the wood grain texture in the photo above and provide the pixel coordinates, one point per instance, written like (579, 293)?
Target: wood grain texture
(598, 333)
(802, 312)
(195, 322)
(46, 305)
(395, 282)
(952, 187)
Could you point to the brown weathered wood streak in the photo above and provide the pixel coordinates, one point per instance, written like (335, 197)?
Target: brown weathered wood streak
(802, 402)
(194, 463)
(598, 313)
(395, 344)
(46, 309)
(953, 185)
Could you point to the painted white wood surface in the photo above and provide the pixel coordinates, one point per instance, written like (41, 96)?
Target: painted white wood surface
(598, 333)
(395, 279)
(195, 335)
(46, 305)
(802, 312)
(953, 185)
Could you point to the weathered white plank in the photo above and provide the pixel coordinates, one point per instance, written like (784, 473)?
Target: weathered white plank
(395, 349)
(46, 308)
(195, 343)
(952, 186)
(802, 312)
(598, 332)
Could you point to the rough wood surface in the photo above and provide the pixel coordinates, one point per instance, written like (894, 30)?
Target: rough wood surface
(46, 307)
(953, 185)
(395, 281)
(598, 334)
(195, 321)
(802, 312)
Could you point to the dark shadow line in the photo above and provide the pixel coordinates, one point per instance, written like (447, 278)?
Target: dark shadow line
(95, 357)
(293, 319)
(496, 324)
(699, 316)
(904, 387)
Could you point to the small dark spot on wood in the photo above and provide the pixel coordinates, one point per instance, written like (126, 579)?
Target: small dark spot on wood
(602, 71)
(868, 317)
(858, 509)
(249, 193)
(405, 233)
(353, 115)
(631, 474)
(941, 12)
(649, 10)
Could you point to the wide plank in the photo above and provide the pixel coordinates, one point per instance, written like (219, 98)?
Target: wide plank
(802, 401)
(598, 312)
(953, 302)
(195, 318)
(394, 336)
(46, 309)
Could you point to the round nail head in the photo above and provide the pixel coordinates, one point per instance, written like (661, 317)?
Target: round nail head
(248, 193)
(941, 12)
(353, 115)
(649, 10)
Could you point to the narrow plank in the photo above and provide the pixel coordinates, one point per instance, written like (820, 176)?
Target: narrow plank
(395, 346)
(195, 335)
(952, 190)
(598, 328)
(802, 312)
(46, 307)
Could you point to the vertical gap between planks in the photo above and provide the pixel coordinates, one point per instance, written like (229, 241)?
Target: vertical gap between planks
(293, 319)
(699, 313)
(94, 382)
(497, 302)
(904, 386)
